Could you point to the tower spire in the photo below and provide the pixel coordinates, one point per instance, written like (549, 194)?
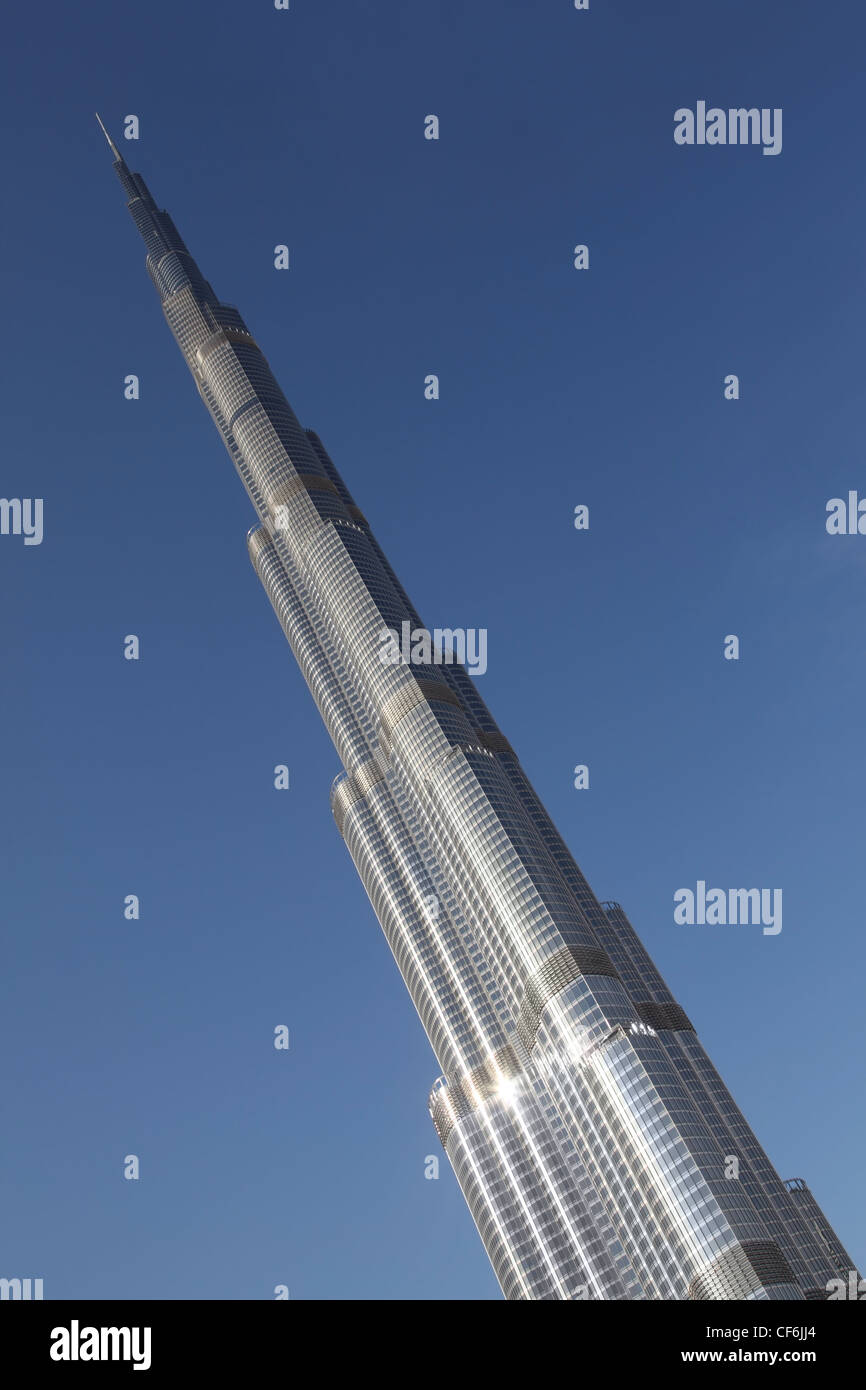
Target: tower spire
(115, 150)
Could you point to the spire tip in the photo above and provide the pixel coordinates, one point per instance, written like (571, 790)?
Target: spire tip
(114, 148)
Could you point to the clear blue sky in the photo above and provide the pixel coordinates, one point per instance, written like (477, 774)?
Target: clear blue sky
(557, 387)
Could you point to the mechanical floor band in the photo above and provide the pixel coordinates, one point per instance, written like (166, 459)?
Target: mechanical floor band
(452, 1103)
(742, 1271)
(551, 978)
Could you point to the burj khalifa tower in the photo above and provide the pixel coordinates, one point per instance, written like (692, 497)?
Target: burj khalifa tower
(588, 1129)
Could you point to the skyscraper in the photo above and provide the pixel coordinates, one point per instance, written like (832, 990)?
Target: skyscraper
(599, 1152)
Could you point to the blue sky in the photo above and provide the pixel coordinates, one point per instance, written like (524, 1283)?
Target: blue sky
(558, 387)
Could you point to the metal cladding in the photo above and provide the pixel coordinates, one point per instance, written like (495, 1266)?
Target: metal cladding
(588, 1130)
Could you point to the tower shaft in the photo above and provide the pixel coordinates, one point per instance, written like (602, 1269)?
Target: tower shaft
(588, 1130)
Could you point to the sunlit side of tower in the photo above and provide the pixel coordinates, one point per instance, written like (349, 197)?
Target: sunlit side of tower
(587, 1128)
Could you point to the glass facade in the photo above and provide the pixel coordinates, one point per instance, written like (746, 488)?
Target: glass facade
(590, 1134)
